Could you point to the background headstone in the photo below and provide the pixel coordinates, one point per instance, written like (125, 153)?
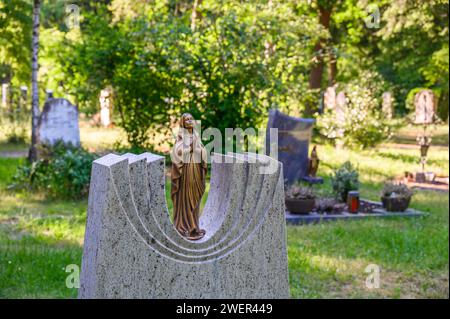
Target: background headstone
(387, 105)
(329, 98)
(59, 122)
(294, 135)
(425, 107)
(132, 250)
(105, 107)
(341, 103)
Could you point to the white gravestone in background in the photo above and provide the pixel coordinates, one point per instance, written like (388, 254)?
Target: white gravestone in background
(387, 107)
(105, 107)
(341, 104)
(425, 105)
(59, 122)
(330, 98)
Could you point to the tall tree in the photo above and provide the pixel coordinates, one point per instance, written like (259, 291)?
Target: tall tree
(32, 156)
(324, 9)
(315, 79)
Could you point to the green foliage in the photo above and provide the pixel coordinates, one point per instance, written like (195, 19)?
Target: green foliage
(241, 58)
(61, 172)
(15, 40)
(397, 190)
(423, 26)
(345, 179)
(239, 61)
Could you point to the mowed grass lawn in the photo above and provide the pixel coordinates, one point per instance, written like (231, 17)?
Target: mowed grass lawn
(39, 238)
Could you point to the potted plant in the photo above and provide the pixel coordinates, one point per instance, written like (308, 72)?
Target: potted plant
(300, 199)
(396, 197)
(345, 179)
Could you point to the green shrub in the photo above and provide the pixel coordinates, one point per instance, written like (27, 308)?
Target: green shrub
(345, 179)
(61, 172)
(297, 191)
(362, 124)
(396, 190)
(236, 64)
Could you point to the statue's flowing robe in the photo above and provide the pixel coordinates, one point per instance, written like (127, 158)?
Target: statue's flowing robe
(188, 183)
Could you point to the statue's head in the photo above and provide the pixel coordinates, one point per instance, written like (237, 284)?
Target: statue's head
(187, 121)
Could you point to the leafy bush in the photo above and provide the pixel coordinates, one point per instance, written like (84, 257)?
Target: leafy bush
(362, 124)
(61, 172)
(345, 179)
(299, 192)
(238, 62)
(396, 190)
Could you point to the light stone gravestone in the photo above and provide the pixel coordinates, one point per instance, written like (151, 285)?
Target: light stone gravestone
(105, 107)
(132, 249)
(59, 122)
(387, 105)
(294, 135)
(341, 104)
(330, 98)
(425, 107)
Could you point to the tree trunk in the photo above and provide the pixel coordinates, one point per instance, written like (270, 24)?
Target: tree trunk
(332, 69)
(315, 79)
(32, 156)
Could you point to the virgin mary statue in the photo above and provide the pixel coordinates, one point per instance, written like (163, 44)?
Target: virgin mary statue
(189, 168)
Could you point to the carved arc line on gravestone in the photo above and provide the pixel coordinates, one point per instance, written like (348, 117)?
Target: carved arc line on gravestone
(213, 256)
(127, 203)
(263, 196)
(236, 240)
(167, 228)
(243, 214)
(251, 227)
(236, 192)
(160, 229)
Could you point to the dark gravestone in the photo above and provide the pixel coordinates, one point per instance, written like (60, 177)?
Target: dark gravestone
(294, 135)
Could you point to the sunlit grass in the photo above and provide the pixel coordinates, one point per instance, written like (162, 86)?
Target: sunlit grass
(39, 237)
(408, 134)
(98, 139)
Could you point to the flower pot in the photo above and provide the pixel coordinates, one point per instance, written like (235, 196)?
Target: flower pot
(395, 204)
(300, 206)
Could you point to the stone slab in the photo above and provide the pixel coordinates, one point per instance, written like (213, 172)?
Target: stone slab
(314, 218)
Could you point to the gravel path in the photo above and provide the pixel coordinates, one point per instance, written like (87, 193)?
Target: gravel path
(14, 154)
